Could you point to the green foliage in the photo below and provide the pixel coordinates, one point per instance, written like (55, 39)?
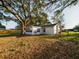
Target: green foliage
(25, 7)
(76, 28)
(39, 19)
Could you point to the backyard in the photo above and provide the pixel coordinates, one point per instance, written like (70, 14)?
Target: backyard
(64, 46)
(39, 29)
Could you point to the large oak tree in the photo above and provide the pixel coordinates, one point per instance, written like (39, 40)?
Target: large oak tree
(30, 11)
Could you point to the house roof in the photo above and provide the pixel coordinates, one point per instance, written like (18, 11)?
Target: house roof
(46, 25)
(50, 25)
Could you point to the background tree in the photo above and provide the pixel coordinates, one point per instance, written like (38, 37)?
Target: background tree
(2, 27)
(76, 28)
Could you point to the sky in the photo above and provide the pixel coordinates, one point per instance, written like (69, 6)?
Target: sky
(9, 24)
(71, 18)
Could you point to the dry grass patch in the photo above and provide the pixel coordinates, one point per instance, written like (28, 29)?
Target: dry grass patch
(37, 47)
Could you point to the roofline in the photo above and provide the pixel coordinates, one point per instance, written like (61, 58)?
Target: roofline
(46, 25)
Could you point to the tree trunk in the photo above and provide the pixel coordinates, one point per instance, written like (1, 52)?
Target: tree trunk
(60, 28)
(23, 29)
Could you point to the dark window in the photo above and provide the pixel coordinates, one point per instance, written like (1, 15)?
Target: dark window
(38, 30)
(35, 31)
(28, 30)
(44, 30)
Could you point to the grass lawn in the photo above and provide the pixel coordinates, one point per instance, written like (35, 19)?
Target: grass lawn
(70, 36)
(6, 33)
(64, 46)
(38, 47)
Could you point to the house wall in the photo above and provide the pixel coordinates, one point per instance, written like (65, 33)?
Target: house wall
(56, 29)
(35, 30)
(49, 30)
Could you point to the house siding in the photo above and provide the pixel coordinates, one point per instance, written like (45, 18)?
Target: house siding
(49, 30)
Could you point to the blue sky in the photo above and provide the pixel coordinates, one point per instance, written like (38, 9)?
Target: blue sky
(71, 18)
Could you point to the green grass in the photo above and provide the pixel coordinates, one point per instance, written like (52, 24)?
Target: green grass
(9, 33)
(70, 33)
(70, 36)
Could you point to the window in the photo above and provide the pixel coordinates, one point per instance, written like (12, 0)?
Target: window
(44, 30)
(28, 30)
(38, 30)
(35, 31)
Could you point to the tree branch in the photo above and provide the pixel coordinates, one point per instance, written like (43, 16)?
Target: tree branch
(69, 4)
(10, 10)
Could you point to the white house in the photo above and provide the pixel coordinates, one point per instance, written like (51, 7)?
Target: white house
(34, 30)
(50, 29)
